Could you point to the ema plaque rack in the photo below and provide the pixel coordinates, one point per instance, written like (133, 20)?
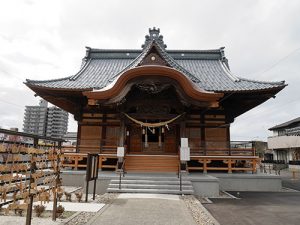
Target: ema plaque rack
(28, 174)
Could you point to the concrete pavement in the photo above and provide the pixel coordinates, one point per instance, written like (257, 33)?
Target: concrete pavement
(144, 211)
(257, 208)
(260, 208)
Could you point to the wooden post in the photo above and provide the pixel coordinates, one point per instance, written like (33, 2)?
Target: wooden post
(57, 180)
(35, 142)
(182, 129)
(29, 209)
(254, 166)
(76, 162)
(204, 166)
(59, 145)
(78, 137)
(159, 137)
(228, 140)
(202, 122)
(100, 162)
(103, 134)
(32, 170)
(146, 137)
(96, 166)
(122, 131)
(86, 190)
(87, 176)
(229, 166)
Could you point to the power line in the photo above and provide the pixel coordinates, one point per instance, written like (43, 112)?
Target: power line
(278, 62)
(271, 108)
(10, 103)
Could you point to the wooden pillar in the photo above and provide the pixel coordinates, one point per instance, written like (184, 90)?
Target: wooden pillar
(159, 137)
(228, 139)
(100, 162)
(254, 166)
(146, 137)
(229, 166)
(78, 136)
(202, 124)
(122, 133)
(103, 134)
(182, 129)
(205, 161)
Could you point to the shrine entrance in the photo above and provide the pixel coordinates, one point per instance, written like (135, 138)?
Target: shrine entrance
(152, 113)
(152, 141)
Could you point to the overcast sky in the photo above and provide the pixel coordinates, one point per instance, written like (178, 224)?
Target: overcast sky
(46, 40)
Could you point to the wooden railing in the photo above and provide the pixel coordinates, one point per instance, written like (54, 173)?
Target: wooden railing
(223, 163)
(198, 163)
(78, 160)
(106, 148)
(212, 155)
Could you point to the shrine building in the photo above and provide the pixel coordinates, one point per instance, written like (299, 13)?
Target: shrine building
(146, 100)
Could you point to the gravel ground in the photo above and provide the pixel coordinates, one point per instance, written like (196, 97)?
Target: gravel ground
(13, 220)
(199, 213)
(83, 217)
(77, 219)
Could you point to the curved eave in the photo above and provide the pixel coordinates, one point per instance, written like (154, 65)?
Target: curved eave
(66, 99)
(239, 102)
(276, 88)
(188, 86)
(36, 87)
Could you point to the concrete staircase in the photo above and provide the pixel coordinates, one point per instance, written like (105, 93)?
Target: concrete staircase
(153, 184)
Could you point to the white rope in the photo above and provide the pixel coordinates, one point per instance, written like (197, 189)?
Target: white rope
(160, 124)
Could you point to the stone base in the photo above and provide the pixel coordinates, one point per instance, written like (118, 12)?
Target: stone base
(249, 182)
(206, 185)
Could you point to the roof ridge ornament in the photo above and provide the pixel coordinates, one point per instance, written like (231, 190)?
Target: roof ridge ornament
(154, 36)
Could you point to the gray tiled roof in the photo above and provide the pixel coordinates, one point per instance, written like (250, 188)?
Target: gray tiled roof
(207, 68)
(286, 124)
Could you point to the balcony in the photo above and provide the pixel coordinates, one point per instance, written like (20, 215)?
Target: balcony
(283, 142)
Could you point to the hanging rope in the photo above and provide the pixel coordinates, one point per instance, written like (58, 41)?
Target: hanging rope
(160, 124)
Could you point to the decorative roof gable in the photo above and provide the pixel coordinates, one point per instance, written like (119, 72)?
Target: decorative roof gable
(153, 57)
(154, 35)
(154, 53)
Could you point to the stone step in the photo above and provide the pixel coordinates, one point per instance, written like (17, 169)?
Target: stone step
(157, 182)
(150, 186)
(145, 168)
(155, 191)
(152, 178)
(151, 183)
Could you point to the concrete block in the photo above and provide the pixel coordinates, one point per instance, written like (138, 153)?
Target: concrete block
(185, 154)
(206, 186)
(184, 142)
(120, 152)
(250, 182)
